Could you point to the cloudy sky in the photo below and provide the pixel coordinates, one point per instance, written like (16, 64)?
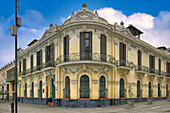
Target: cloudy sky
(150, 16)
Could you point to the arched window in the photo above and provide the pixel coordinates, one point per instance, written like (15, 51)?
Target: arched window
(25, 91)
(167, 90)
(139, 91)
(84, 87)
(122, 88)
(102, 88)
(159, 90)
(67, 88)
(32, 90)
(150, 90)
(40, 90)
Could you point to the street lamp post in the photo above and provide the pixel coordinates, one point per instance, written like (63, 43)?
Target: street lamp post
(14, 33)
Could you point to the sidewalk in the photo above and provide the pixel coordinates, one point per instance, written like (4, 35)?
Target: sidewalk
(157, 107)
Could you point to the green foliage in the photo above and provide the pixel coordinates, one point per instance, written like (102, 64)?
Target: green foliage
(130, 92)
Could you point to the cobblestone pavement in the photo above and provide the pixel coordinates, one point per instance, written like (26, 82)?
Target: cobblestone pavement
(157, 107)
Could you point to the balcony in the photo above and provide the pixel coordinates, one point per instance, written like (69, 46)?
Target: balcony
(48, 65)
(168, 75)
(37, 69)
(95, 58)
(124, 66)
(141, 70)
(153, 72)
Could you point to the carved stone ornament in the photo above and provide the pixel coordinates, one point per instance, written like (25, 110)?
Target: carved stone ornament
(50, 72)
(140, 75)
(160, 79)
(151, 77)
(73, 68)
(123, 71)
(84, 14)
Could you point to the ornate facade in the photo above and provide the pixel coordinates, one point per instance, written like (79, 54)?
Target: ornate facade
(88, 62)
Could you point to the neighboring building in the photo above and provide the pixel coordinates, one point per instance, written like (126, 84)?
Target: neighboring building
(87, 62)
(4, 84)
(11, 83)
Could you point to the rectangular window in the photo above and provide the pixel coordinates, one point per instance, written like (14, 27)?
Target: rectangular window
(168, 69)
(24, 66)
(19, 66)
(159, 66)
(39, 59)
(66, 48)
(139, 60)
(85, 45)
(122, 54)
(103, 47)
(31, 63)
(13, 87)
(152, 63)
(49, 55)
(7, 87)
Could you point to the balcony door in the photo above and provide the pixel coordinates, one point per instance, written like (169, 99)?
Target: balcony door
(85, 45)
(66, 48)
(39, 59)
(152, 63)
(139, 60)
(122, 54)
(103, 47)
(49, 55)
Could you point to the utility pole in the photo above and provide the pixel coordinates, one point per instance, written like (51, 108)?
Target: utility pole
(16, 79)
(14, 33)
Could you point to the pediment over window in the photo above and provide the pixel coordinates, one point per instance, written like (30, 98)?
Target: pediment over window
(127, 33)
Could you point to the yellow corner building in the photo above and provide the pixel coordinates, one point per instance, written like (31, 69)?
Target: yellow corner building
(87, 62)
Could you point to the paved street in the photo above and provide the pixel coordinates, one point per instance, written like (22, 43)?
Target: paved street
(157, 107)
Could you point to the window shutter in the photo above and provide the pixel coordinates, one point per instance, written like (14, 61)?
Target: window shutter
(103, 47)
(167, 67)
(153, 62)
(37, 58)
(124, 52)
(46, 54)
(150, 57)
(139, 57)
(120, 51)
(67, 47)
(82, 46)
(52, 51)
(159, 64)
(40, 57)
(19, 66)
(90, 45)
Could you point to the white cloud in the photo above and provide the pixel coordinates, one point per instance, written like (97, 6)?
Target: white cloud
(32, 18)
(32, 27)
(156, 29)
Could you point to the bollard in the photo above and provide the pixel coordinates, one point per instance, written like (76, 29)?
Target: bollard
(12, 107)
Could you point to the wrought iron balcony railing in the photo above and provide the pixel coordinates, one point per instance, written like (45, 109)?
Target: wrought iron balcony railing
(152, 70)
(50, 63)
(97, 57)
(168, 74)
(125, 63)
(141, 68)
